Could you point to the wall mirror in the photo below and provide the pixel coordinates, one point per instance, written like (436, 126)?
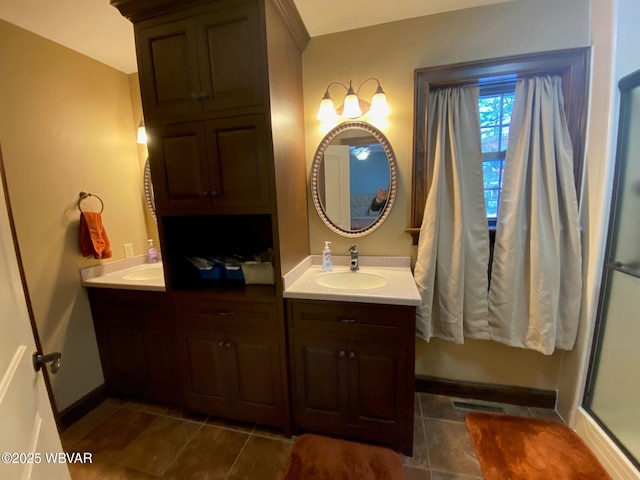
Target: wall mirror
(354, 179)
(148, 191)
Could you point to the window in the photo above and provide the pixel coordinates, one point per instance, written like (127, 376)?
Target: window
(571, 65)
(495, 106)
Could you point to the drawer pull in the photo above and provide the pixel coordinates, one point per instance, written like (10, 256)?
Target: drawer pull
(228, 344)
(342, 354)
(352, 355)
(221, 343)
(348, 320)
(225, 314)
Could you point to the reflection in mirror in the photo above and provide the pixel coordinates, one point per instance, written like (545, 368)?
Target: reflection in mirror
(148, 191)
(354, 179)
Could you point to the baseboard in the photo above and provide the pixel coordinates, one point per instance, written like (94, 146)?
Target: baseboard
(529, 397)
(80, 408)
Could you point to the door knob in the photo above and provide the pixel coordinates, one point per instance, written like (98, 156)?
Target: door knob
(40, 360)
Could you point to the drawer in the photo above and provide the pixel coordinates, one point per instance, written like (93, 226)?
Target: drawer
(352, 318)
(217, 314)
(127, 298)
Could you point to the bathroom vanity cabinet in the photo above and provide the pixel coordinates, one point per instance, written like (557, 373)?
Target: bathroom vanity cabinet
(221, 86)
(134, 331)
(230, 359)
(352, 370)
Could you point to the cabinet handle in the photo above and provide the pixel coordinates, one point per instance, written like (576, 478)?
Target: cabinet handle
(348, 320)
(214, 193)
(133, 331)
(203, 194)
(352, 355)
(342, 354)
(203, 96)
(196, 96)
(228, 344)
(221, 343)
(228, 313)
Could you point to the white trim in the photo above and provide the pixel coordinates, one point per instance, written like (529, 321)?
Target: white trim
(611, 457)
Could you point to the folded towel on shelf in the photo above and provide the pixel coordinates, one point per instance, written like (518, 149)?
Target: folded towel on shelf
(93, 238)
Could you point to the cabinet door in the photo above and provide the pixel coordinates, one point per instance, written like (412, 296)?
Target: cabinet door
(179, 166)
(239, 163)
(204, 366)
(320, 379)
(230, 57)
(168, 69)
(127, 354)
(377, 385)
(254, 365)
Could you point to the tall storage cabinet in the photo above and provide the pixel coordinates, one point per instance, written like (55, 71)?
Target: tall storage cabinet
(229, 176)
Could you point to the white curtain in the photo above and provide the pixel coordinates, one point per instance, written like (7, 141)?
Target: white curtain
(453, 251)
(536, 280)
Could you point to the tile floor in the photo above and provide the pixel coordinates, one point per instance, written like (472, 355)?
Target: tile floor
(139, 441)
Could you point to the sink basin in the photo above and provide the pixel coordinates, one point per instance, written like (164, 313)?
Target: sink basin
(152, 272)
(351, 280)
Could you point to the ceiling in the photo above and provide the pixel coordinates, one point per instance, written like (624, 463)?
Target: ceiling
(96, 29)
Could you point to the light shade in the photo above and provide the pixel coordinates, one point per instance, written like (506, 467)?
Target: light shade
(327, 111)
(351, 107)
(142, 132)
(379, 106)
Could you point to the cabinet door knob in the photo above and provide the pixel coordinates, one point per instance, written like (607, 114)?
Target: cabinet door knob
(221, 343)
(342, 354)
(195, 96)
(228, 344)
(214, 193)
(203, 194)
(352, 355)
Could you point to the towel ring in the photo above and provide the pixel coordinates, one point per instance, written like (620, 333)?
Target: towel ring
(83, 196)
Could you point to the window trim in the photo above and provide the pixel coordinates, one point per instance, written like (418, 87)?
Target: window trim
(571, 64)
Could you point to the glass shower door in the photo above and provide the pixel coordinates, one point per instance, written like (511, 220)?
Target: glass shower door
(613, 386)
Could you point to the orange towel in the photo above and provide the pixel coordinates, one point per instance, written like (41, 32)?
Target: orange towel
(93, 237)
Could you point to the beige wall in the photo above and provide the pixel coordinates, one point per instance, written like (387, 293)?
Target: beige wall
(391, 52)
(66, 125)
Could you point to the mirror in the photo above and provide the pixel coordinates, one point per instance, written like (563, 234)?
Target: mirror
(148, 190)
(354, 179)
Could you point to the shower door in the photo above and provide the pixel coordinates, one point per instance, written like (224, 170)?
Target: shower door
(613, 385)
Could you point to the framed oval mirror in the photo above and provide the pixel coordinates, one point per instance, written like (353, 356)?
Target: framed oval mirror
(354, 179)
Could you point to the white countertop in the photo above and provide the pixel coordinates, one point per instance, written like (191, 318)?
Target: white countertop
(400, 287)
(111, 275)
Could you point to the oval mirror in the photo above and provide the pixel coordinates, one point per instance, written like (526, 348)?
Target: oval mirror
(354, 179)
(148, 190)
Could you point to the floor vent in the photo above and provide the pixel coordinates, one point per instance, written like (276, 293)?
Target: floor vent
(477, 406)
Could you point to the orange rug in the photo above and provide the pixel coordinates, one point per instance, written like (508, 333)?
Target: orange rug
(511, 447)
(321, 458)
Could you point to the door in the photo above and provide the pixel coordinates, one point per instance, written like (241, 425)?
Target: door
(337, 188)
(27, 426)
(613, 391)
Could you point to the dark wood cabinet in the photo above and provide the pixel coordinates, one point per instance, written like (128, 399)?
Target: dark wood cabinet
(135, 339)
(353, 370)
(205, 62)
(220, 165)
(221, 86)
(229, 358)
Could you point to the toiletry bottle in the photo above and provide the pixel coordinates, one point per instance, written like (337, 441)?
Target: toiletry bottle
(326, 257)
(152, 253)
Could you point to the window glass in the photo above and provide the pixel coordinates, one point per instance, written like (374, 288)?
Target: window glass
(495, 106)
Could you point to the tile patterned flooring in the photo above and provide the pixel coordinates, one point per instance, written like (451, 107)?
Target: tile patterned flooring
(139, 441)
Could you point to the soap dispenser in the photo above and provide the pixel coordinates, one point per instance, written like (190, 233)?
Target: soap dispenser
(152, 252)
(326, 257)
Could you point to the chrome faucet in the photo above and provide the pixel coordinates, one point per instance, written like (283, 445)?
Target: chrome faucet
(354, 258)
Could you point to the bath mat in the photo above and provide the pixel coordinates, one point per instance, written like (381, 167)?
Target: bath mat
(511, 447)
(314, 457)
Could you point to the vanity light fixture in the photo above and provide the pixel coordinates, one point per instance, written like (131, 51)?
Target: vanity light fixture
(353, 106)
(142, 132)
